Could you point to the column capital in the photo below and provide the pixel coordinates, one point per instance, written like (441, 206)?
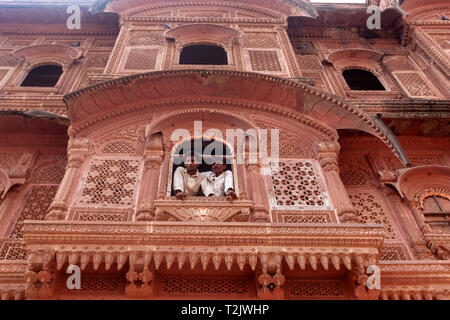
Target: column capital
(78, 145)
(327, 147)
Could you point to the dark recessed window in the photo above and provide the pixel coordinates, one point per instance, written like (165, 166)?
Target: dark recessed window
(203, 54)
(362, 80)
(437, 212)
(43, 76)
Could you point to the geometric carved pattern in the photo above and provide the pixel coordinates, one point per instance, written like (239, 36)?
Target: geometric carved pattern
(111, 182)
(291, 150)
(370, 211)
(119, 147)
(51, 174)
(436, 190)
(309, 62)
(97, 59)
(12, 249)
(354, 171)
(141, 59)
(83, 214)
(106, 284)
(176, 285)
(352, 177)
(6, 59)
(261, 42)
(414, 84)
(35, 208)
(146, 39)
(296, 184)
(316, 289)
(393, 251)
(264, 60)
(14, 43)
(303, 217)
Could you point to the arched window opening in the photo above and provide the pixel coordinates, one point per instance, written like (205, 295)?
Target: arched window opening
(362, 80)
(205, 154)
(203, 55)
(436, 210)
(43, 76)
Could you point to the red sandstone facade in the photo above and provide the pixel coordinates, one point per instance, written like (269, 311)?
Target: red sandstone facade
(86, 165)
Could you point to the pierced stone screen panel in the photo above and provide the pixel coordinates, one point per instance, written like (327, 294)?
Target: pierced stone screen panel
(298, 185)
(119, 147)
(315, 216)
(316, 289)
(394, 251)
(12, 249)
(204, 286)
(36, 207)
(111, 181)
(95, 284)
(371, 209)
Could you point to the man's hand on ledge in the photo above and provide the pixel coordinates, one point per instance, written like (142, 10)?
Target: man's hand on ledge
(231, 195)
(180, 195)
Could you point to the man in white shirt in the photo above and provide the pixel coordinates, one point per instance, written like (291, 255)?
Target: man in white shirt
(187, 181)
(219, 182)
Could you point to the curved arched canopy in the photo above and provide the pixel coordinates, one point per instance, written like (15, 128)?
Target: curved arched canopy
(287, 98)
(284, 7)
(424, 9)
(419, 182)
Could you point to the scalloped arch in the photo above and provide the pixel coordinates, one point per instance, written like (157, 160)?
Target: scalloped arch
(249, 91)
(283, 7)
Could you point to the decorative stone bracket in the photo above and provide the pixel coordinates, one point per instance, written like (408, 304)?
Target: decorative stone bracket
(441, 249)
(140, 284)
(17, 175)
(270, 287)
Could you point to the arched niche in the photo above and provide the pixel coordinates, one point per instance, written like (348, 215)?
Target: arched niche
(356, 58)
(204, 34)
(36, 56)
(247, 93)
(419, 182)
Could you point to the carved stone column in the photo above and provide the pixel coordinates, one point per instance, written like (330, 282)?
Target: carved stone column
(153, 157)
(409, 226)
(257, 193)
(78, 152)
(328, 159)
(421, 247)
